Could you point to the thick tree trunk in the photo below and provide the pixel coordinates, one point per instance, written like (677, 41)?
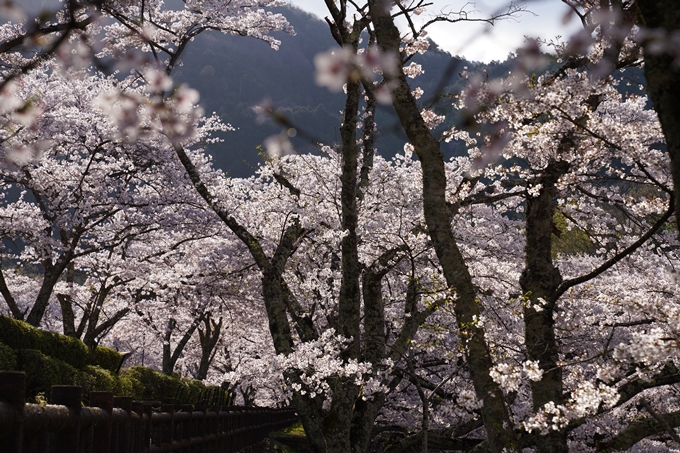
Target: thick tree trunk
(51, 274)
(366, 411)
(539, 281)
(338, 422)
(662, 74)
(92, 318)
(67, 316)
(9, 299)
(208, 338)
(438, 218)
(171, 357)
(437, 215)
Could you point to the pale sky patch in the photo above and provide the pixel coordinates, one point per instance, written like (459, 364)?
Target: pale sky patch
(479, 41)
(476, 41)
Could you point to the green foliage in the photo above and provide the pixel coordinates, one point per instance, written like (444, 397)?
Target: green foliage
(106, 358)
(42, 372)
(20, 335)
(94, 378)
(129, 386)
(8, 358)
(155, 383)
(50, 359)
(572, 241)
(163, 387)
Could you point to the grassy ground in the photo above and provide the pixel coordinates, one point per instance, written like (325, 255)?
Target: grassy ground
(288, 440)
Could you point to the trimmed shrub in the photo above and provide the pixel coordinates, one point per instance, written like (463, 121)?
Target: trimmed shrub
(194, 389)
(8, 358)
(70, 350)
(20, 335)
(50, 359)
(17, 334)
(129, 386)
(42, 372)
(157, 386)
(170, 389)
(94, 378)
(106, 358)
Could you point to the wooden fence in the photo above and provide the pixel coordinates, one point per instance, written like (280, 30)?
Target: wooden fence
(117, 424)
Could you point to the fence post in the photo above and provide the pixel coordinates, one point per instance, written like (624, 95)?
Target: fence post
(102, 431)
(200, 427)
(121, 433)
(212, 423)
(168, 431)
(222, 429)
(187, 427)
(239, 428)
(148, 411)
(13, 393)
(70, 396)
(138, 427)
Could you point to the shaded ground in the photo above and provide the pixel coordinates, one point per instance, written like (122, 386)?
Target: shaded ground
(289, 440)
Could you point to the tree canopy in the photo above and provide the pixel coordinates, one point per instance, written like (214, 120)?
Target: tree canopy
(523, 295)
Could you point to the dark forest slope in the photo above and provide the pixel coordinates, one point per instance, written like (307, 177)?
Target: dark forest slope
(233, 74)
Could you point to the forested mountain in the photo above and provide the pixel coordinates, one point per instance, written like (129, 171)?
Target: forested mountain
(234, 74)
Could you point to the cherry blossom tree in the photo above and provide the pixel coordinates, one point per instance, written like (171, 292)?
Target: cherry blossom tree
(328, 396)
(96, 188)
(521, 296)
(131, 34)
(552, 162)
(637, 31)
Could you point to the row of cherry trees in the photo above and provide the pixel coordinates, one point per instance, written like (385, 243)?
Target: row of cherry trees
(102, 238)
(521, 296)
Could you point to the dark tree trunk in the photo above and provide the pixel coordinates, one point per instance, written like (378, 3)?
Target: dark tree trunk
(438, 213)
(539, 281)
(171, 357)
(67, 315)
(208, 338)
(663, 76)
(50, 278)
(9, 299)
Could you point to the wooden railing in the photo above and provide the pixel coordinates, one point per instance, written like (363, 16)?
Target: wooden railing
(117, 424)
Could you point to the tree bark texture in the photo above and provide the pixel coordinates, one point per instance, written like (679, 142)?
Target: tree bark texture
(539, 281)
(663, 81)
(438, 218)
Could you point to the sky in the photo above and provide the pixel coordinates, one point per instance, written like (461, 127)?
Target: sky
(479, 42)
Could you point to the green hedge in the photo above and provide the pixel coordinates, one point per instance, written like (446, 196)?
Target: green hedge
(161, 387)
(42, 372)
(94, 378)
(106, 358)
(20, 335)
(52, 359)
(8, 358)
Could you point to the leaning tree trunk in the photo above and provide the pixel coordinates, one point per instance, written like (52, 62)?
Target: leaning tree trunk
(437, 212)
